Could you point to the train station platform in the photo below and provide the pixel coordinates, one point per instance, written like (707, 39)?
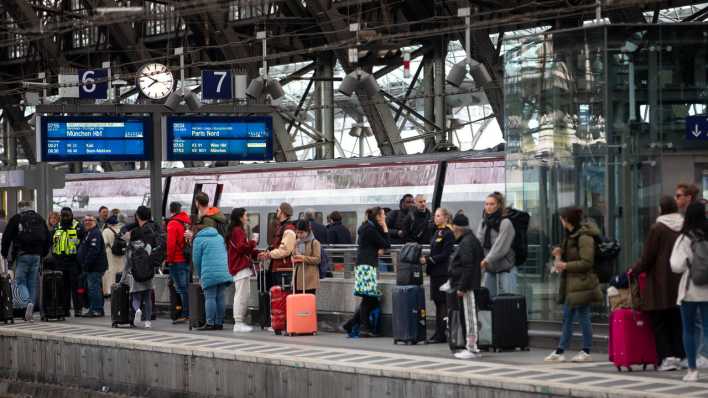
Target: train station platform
(170, 361)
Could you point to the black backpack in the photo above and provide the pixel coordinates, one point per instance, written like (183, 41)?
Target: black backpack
(140, 260)
(32, 231)
(520, 220)
(120, 246)
(606, 253)
(410, 253)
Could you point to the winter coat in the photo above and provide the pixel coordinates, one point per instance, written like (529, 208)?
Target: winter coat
(662, 284)
(396, 221)
(92, 254)
(464, 269)
(320, 232)
(284, 246)
(211, 218)
(681, 256)
(338, 234)
(371, 239)
(419, 226)
(579, 284)
(500, 256)
(175, 238)
(310, 248)
(442, 245)
(210, 259)
(147, 233)
(241, 251)
(115, 263)
(12, 230)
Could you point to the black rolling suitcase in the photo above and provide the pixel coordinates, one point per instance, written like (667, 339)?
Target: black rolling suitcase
(6, 307)
(175, 302)
(52, 301)
(120, 305)
(197, 314)
(409, 314)
(509, 323)
(263, 297)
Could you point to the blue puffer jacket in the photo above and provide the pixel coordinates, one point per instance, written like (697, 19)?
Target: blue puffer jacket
(210, 259)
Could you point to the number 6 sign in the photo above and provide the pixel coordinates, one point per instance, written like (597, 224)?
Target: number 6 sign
(93, 83)
(216, 84)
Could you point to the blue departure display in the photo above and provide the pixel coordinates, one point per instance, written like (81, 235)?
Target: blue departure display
(220, 138)
(95, 138)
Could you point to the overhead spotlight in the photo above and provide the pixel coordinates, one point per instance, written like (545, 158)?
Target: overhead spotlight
(457, 73)
(359, 79)
(260, 86)
(359, 130)
(255, 88)
(480, 73)
(192, 101)
(274, 88)
(173, 100)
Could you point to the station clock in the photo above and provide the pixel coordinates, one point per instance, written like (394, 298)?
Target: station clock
(155, 81)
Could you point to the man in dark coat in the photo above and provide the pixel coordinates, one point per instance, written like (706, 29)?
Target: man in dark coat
(337, 233)
(419, 224)
(319, 230)
(94, 262)
(396, 220)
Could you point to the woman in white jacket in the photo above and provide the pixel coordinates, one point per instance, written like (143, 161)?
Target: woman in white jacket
(691, 298)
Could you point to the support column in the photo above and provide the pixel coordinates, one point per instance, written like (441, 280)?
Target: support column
(440, 108)
(319, 151)
(429, 100)
(156, 168)
(10, 143)
(326, 73)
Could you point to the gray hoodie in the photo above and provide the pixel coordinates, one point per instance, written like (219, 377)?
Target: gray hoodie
(500, 257)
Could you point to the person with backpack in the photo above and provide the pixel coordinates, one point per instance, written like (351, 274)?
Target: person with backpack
(116, 248)
(65, 248)
(178, 254)
(283, 246)
(94, 262)
(436, 264)
(659, 296)
(25, 242)
(144, 253)
(209, 216)
(690, 258)
(307, 259)
(496, 232)
(241, 252)
(579, 285)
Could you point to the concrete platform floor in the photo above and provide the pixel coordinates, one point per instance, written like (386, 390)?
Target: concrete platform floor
(598, 378)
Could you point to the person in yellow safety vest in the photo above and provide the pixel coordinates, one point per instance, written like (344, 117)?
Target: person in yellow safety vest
(65, 247)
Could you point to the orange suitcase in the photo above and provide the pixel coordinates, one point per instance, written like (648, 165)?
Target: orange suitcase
(301, 312)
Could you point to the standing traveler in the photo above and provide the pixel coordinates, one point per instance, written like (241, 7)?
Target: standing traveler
(211, 265)
(52, 221)
(436, 264)
(280, 255)
(241, 252)
(685, 195)
(177, 255)
(307, 259)
(143, 253)
(337, 233)
(209, 216)
(25, 242)
(465, 276)
(496, 232)
(659, 296)
(690, 258)
(102, 217)
(419, 225)
(319, 230)
(396, 220)
(94, 262)
(3, 221)
(373, 240)
(112, 237)
(579, 285)
(65, 248)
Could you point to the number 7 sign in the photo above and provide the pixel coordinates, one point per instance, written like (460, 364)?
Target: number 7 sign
(217, 84)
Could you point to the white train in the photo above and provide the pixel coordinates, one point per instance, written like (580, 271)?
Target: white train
(347, 185)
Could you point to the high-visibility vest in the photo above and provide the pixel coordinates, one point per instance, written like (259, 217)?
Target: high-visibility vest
(66, 241)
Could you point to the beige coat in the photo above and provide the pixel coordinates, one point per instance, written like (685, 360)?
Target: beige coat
(312, 267)
(115, 263)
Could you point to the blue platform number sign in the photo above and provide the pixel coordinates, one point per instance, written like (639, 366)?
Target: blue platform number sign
(216, 84)
(697, 128)
(93, 83)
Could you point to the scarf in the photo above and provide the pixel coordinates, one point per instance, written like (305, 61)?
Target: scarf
(301, 243)
(491, 221)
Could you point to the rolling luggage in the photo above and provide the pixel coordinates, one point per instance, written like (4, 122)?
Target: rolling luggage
(457, 335)
(409, 271)
(175, 302)
(631, 339)
(120, 305)
(52, 305)
(301, 311)
(278, 308)
(6, 308)
(409, 314)
(263, 298)
(509, 323)
(197, 312)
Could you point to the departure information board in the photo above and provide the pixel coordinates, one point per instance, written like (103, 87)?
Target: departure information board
(95, 138)
(220, 138)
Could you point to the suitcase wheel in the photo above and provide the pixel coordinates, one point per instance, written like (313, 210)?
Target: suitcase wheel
(629, 368)
(278, 332)
(644, 367)
(114, 325)
(12, 321)
(619, 368)
(314, 333)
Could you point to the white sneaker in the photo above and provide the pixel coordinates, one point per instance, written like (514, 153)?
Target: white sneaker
(138, 317)
(29, 312)
(668, 364)
(555, 357)
(466, 354)
(691, 376)
(240, 327)
(701, 362)
(582, 356)
(148, 324)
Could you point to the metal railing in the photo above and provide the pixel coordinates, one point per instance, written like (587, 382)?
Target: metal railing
(343, 259)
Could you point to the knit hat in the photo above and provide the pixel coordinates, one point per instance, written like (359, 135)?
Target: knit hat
(286, 208)
(461, 220)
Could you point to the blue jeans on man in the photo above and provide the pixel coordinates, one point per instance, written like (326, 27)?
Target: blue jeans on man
(501, 282)
(95, 295)
(214, 303)
(179, 273)
(583, 313)
(26, 274)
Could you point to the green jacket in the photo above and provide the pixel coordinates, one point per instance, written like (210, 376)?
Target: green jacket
(579, 284)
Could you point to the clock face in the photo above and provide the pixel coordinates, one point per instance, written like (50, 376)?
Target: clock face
(155, 81)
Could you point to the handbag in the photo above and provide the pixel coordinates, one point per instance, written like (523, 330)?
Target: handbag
(365, 281)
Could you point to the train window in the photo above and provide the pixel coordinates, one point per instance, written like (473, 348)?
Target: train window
(349, 221)
(318, 216)
(254, 225)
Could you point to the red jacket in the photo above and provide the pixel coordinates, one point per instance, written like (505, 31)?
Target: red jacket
(175, 238)
(241, 250)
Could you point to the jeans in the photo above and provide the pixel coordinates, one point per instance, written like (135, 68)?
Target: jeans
(214, 303)
(143, 298)
(689, 311)
(502, 282)
(583, 313)
(95, 295)
(26, 274)
(180, 276)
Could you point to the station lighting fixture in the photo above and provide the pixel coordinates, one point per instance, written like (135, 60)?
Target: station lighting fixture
(458, 72)
(190, 99)
(360, 130)
(261, 85)
(359, 79)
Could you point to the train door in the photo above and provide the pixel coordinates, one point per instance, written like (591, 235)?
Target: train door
(212, 189)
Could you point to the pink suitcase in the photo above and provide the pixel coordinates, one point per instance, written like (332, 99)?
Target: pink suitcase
(631, 340)
(301, 310)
